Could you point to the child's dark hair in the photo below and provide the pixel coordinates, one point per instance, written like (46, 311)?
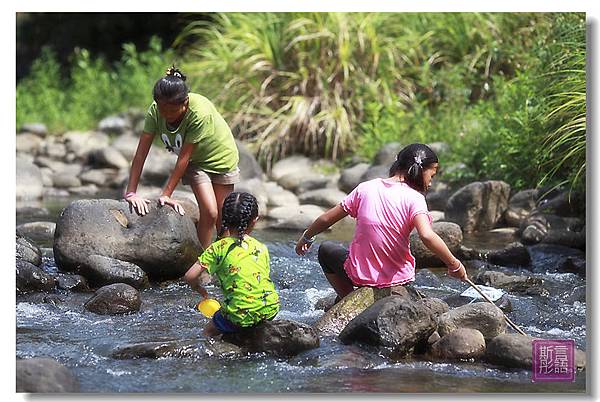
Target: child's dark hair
(239, 209)
(411, 161)
(171, 88)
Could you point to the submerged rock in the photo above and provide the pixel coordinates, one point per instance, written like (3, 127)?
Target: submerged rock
(482, 316)
(462, 343)
(155, 350)
(279, 337)
(100, 271)
(28, 251)
(33, 279)
(72, 282)
(118, 298)
(43, 375)
(512, 283)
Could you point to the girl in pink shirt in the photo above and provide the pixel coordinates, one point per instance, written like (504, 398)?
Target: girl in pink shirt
(386, 211)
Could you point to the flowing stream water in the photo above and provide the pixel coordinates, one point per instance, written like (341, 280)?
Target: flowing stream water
(84, 341)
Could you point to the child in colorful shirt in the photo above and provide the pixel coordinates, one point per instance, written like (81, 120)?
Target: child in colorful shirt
(241, 264)
(386, 211)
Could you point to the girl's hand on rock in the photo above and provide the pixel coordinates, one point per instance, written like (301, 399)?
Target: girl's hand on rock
(139, 204)
(166, 200)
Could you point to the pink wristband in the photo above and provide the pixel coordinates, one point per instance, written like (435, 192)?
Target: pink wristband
(129, 194)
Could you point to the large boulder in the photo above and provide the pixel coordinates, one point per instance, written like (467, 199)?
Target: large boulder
(350, 177)
(108, 157)
(387, 154)
(482, 316)
(520, 206)
(100, 271)
(437, 196)
(126, 144)
(478, 206)
(375, 172)
(280, 337)
(33, 279)
(163, 243)
(44, 375)
(395, 323)
(338, 316)
(28, 143)
(118, 298)
(29, 184)
(277, 196)
(450, 233)
(462, 343)
(81, 143)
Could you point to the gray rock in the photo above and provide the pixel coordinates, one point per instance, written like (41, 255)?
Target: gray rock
(84, 191)
(510, 350)
(55, 193)
(29, 183)
(482, 316)
(293, 218)
(292, 164)
(64, 179)
(163, 243)
(108, 157)
(100, 271)
(520, 206)
(28, 143)
(156, 350)
(28, 251)
(553, 229)
(302, 181)
(32, 279)
(437, 216)
(82, 143)
(249, 167)
(114, 125)
(576, 265)
(52, 164)
(39, 129)
(395, 323)
(478, 206)
(126, 145)
(280, 197)
(562, 203)
(425, 277)
(460, 344)
(54, 150)
(338, 316)
(72, 282)
(387, 154)
(279, 337)
(325, 197)
(375, 172)
(37, 231)
(158, 167)
(44, 375)
(512, 283)
(450, 233)
(258, 189)
(47, 175)
(99, 177)
(514, 254)
(118, 298)
(350, 177)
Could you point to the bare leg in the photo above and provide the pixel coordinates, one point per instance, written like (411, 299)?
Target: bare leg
(209, 212)
(342, 286)
(221, 192)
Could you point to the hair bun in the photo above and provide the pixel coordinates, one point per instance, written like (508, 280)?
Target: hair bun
(175, 72)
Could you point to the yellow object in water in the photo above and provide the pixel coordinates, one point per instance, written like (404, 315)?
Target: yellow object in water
(208, 307)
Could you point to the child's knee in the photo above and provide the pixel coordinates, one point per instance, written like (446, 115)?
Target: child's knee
(209, 215)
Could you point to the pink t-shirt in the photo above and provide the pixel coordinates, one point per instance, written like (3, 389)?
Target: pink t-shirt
(379, 252)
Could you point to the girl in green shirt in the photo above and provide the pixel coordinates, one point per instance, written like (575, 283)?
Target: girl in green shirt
(241, 264)
(207, 157)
